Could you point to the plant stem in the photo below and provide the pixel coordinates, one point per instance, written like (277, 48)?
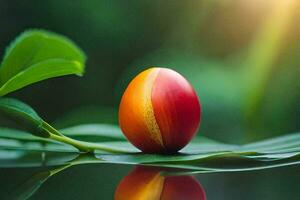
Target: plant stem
(80, 145)
(50, 129)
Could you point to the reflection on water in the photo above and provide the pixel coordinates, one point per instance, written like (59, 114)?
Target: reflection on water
(148, 183)
(71, 176)
(31, 185)
(26, 189)
(142, 183)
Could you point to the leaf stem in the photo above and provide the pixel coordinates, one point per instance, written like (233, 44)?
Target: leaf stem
(50, 129)
(80, 145)
(67, 140)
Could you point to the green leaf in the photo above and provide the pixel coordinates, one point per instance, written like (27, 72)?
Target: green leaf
(22, 114)
(85, 132)
(26, 116)
(6, 144)
(275, 144)
(27, 159)
(94, 132)
(41, 71)
(22, 136)
(200, 155)
(37, 55)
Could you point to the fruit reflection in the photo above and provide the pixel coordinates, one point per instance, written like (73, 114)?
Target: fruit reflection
(147, 183)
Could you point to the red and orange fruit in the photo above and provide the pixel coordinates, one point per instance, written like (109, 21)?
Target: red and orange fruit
(160, 111)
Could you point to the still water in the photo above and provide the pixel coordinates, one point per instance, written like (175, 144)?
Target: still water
(127, 182)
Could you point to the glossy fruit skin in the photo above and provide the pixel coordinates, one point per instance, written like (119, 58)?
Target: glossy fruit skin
(160, 111)
(148, 184)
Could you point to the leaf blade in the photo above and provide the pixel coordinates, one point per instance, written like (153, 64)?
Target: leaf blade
(33, 47)
(97, 132)
(24, 115)
(41, 71)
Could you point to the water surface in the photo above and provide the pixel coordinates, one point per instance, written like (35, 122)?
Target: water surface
(109, 181)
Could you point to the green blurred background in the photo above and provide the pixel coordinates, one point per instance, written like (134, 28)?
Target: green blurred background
(241, 56)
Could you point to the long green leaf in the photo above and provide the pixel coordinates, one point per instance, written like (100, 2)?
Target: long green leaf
(206, 163)
(6, 144)
(26, 116)
(22, 136)
(94, 132)
(23, 114)
(209, 154)
(85, 132)
(38, 55)
(41, 71)
(199, 154)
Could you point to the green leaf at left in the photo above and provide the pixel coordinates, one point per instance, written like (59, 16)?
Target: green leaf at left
(37, 55)
(22, 114)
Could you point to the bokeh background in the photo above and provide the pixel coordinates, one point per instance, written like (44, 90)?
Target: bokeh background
(242, 57)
